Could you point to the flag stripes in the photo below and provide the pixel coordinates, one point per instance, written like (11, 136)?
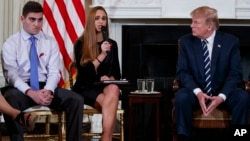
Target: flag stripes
(80, 10)
(64, 20)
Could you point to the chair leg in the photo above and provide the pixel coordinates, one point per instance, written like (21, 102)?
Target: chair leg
(121, 127)
(0, 135)
(47, 125)
(60, 126)
(175, 137)
(1, 116)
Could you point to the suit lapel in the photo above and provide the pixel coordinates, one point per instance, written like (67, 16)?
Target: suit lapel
(199, 56)
(216, 51)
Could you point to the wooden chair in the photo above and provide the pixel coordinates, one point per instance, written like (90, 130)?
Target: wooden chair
(219, 118)
(92, 111)
(46, 113)
(43, 111)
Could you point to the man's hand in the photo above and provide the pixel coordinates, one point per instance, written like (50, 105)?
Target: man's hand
(214, 102)
(41, 97)
(203, 98)
(208, 103)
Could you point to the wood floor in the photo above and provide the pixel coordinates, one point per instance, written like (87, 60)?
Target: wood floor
(6, 138)
(40, 128)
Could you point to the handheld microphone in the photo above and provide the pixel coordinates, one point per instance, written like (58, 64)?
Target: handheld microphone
(105, 35)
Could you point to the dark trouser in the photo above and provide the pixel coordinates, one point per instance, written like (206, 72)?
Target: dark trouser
(64, 100)
(186, 102)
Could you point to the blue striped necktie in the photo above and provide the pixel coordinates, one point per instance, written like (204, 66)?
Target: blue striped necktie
(34, 82)
(207, 68)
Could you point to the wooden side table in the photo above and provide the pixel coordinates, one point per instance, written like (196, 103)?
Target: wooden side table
(144, 98)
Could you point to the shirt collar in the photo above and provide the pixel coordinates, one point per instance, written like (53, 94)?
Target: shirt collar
(210, 39)
(26, 35)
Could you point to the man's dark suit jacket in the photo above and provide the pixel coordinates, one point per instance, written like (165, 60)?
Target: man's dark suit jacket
(226, 68)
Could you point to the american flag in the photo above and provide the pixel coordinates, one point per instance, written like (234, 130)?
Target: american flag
(65, 21)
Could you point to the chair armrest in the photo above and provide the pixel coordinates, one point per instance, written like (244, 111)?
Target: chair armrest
(247, 86)
(176, 85)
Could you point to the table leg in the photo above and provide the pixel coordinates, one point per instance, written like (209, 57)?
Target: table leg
(157, 121)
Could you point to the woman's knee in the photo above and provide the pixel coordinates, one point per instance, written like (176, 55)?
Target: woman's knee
(112, 89)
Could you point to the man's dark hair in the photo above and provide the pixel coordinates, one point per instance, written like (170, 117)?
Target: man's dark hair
(32, 6)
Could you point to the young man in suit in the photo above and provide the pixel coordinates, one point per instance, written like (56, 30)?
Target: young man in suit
(217, 81)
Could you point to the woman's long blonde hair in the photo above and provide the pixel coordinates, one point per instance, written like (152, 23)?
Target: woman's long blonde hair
(90, 48)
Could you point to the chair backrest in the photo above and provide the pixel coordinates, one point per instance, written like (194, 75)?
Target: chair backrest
(72, 73)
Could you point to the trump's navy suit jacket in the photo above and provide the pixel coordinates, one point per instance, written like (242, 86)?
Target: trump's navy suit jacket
(226, 68)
